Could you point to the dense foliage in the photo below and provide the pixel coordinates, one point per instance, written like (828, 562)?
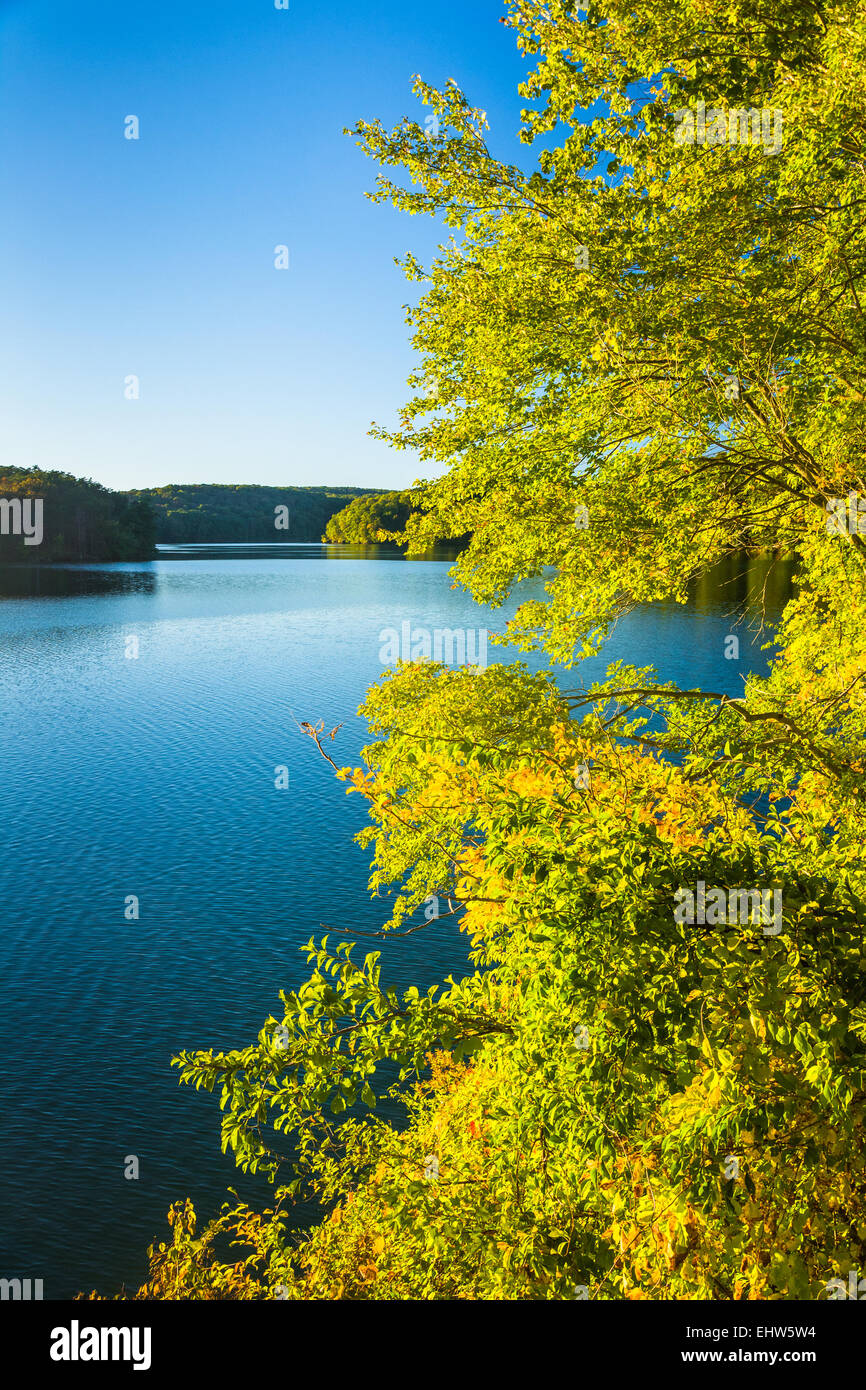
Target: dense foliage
(199, 512)
(636, 374)
(370, 520)
(79, 519)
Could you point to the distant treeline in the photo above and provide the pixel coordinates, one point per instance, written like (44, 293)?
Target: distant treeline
(243, 511)
(48, 516)
(53, 516)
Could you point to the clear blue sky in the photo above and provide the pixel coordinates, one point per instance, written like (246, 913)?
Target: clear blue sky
(155, 257)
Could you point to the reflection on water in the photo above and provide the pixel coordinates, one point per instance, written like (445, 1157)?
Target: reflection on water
(299, 550)
(754, 585)
(142, 577)
(71, 581)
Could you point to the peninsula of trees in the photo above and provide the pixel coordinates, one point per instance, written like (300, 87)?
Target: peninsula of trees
(373, 518)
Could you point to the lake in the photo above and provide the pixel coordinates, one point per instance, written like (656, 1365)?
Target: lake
(153, 776)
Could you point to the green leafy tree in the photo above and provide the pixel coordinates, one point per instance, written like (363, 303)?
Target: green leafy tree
(371, 520)
(648, 355)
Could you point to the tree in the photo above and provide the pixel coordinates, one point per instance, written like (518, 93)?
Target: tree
(70, 518)
(371, 520)
(647, 355)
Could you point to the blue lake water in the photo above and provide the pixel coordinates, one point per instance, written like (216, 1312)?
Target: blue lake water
(154, 776)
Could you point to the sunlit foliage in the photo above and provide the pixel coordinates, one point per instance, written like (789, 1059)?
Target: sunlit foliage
(646, 355)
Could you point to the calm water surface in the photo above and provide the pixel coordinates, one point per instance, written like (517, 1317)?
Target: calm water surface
(155, 777)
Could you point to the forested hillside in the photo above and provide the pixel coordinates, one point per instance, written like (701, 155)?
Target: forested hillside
(53, 516)
(190, 512)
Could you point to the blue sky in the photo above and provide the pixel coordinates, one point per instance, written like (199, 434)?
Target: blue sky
(155, 257)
